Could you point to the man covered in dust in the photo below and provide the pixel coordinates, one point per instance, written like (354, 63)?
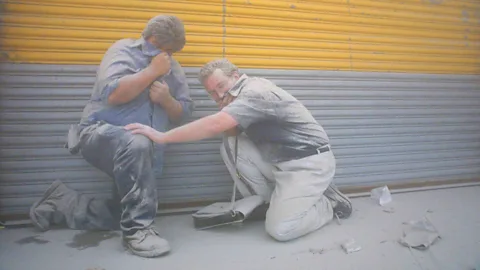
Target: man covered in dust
(284, 154)
(137, 81)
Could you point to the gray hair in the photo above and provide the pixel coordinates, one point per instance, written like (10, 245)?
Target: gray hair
(168, 31)
(223, 64)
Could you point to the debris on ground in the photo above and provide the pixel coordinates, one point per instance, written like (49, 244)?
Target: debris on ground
(381, 195)
(316, 250)
(351, 246)
(419, 234)
(389, 210)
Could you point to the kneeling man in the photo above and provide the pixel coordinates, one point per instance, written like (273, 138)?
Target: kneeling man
(291, 163)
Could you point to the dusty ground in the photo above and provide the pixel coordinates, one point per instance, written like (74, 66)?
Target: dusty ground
(454, 212)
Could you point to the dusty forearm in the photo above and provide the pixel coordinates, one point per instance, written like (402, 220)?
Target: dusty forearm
(232, 132)
(204, 128)
(173, 108)
(130, 86)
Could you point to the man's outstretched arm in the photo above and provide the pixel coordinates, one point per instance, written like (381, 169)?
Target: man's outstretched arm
(200, 129)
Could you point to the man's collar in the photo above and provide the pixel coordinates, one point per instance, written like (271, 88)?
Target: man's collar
(237, 87)
(138, 42)
(148, 49)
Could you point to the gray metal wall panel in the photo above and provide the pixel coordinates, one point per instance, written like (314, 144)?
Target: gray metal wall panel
(383, 127)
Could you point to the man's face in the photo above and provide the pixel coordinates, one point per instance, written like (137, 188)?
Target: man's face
(166, 49)
(218, 84)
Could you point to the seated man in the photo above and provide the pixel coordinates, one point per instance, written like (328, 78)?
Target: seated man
(286, 154)
(137, 81)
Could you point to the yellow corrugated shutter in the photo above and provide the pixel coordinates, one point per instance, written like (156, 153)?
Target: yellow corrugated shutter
(412, 36)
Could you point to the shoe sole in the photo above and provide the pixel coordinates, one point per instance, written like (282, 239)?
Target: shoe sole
(343, 196)
(47, 194)
(147, 254)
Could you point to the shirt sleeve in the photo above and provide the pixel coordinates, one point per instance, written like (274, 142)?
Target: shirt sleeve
(117, 63)
(178, 84)
(250, 109)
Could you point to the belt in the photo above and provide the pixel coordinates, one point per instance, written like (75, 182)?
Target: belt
(316, 151)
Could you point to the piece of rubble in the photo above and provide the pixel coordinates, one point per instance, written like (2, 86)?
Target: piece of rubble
(420, 234)
(316, 250)
(381, 195)
(351, 246)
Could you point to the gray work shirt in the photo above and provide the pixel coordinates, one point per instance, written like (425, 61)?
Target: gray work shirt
(280, 125)
(125, 57)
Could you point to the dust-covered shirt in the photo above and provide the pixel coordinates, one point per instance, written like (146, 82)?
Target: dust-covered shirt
(126, 57)
(280, 125)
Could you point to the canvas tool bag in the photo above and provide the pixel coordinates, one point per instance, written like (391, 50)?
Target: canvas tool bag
(225, 213)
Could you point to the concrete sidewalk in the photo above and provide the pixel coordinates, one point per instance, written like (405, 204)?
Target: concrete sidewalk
(454, 212)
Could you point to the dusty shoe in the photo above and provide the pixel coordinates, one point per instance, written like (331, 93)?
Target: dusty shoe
(146, 243)
(45, 212)
(342, 206)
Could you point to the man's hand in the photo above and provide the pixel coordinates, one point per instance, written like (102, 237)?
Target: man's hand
(160, 93)
(160, 64)
(147, 131)
(227, 99)
(130, 86)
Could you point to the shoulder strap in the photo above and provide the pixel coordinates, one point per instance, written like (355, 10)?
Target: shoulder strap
(234, 192)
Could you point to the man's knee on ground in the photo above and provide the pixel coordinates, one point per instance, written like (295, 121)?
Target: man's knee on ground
(282, 230)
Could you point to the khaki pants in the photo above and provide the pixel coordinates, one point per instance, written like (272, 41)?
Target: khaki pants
(294, 188)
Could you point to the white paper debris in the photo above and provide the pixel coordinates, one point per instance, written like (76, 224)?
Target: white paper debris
(381, 195)
(419, 234)
(351, 246)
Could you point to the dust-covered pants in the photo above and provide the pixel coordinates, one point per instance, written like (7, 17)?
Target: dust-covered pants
(126, 158)
(294, 188)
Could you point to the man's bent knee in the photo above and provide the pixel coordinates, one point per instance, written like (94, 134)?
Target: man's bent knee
(139, 145)
(283, 230)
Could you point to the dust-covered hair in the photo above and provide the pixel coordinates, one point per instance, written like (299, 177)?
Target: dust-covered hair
(168, 31)
(223, 64)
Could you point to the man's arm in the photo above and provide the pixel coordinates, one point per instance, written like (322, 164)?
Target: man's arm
(160, 95)
(225, 101)
(243, 112)
(130, 86)
(200, 129)
(233, 132)
(179, 105)
(173, 108)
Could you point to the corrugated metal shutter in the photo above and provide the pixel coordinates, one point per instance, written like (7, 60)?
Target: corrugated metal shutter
(364, 35)
(383, 127)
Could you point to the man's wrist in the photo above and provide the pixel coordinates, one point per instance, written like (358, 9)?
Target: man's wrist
(167, 101)
(150, 73)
